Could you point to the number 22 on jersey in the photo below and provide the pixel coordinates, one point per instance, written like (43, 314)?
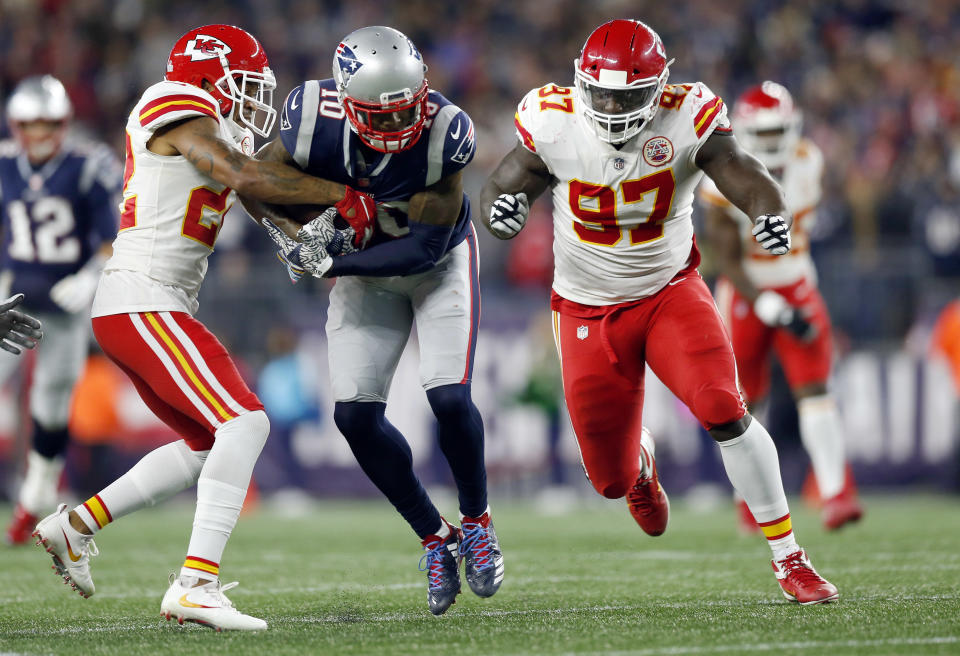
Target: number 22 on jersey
(596, 205)
(199, 225)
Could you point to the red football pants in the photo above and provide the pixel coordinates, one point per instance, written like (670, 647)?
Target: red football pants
(182, 372)
(603, 350)
(803, 363)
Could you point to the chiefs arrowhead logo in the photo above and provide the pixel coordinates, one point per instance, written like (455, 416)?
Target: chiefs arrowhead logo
(206, 47)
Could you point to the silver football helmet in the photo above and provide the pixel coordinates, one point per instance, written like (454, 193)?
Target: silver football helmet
(39, 98)
(382, 87)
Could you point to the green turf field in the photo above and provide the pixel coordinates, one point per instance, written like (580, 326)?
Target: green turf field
(343, 579)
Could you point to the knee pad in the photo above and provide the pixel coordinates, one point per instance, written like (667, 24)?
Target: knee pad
(714, 406)
(450, 400)
(251, 426)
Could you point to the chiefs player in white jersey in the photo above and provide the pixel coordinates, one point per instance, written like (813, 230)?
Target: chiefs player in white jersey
(189, 145)
(622, 153)
(771, 303)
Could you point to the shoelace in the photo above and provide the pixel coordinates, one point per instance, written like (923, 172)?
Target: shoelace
(434, 567)
(216, 590)
(476, 539)
(798, 570)
(638, 496)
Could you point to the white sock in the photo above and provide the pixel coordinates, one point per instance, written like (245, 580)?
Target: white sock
(38, 494)
(646, 463)
(754, 470)
(159, 475)
(221, 490)
(822, 435)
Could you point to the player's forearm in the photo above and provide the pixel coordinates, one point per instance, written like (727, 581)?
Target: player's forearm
(273, 182)
(417, 252)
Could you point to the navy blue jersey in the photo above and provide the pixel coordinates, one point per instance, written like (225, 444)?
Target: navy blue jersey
(315, 131)
(54, 217)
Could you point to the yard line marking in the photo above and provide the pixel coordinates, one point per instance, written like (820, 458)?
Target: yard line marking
(779, 646)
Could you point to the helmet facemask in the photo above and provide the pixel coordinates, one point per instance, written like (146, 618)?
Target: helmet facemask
(770, 138)
(618, 111)
(392, 125)
(253, 89)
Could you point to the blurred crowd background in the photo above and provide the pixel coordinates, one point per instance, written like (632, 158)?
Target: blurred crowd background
(879, 85)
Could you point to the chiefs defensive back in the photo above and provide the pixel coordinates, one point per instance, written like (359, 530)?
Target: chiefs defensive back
(621, 153)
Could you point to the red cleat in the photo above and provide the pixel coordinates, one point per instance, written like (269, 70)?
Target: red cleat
(840, 510)
(745, 520)
(800, 583)
(21, 526)
(647, 501)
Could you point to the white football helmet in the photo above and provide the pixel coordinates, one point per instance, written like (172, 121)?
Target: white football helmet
(767, 123)
(382, 87)
(39, 98)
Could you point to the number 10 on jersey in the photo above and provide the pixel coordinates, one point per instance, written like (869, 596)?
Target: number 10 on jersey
(598, 220)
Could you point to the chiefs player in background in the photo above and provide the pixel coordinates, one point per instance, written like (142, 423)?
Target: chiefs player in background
(189, 145)
(771, 303)
(622, 154)
(58, 202)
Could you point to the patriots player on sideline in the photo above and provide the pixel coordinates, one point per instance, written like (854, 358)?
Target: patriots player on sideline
(189, 148)
(772, 304)
(17, 329)
(622, 154)
(378, 127)
(58, 200)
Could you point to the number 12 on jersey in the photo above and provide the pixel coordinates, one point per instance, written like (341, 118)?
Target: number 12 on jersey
(599, 222)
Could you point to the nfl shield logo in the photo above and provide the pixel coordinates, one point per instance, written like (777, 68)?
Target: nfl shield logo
(619, 163)
(582, 332)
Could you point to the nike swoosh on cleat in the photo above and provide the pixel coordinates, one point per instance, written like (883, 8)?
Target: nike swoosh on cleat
(454, 135)
(189, 604)
(74, 557)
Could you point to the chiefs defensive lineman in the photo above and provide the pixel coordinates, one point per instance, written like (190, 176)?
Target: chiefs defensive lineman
(622, 153)
(188, 149)
(771, 303)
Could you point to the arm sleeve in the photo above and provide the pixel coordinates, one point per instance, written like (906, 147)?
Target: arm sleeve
(416, 252)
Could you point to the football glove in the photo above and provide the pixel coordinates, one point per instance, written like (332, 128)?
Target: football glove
(75, 292)
(16, 328)
(360, 211)
(771, 232)
(508, 214)
(306, 254)
(774, 310)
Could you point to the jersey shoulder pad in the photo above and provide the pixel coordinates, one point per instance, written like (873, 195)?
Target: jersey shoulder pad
(705, 111)
(167, 102)
(543, 114)
(9, 148)
(810, 154)
(100, 166)
(452, 139)
(300, 118)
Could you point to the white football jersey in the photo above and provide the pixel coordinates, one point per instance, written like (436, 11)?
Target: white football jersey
(801, 188)
(171, 212)
(622, 226)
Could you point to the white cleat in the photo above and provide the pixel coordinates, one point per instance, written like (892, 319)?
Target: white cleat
(206, 605)
(71, 555)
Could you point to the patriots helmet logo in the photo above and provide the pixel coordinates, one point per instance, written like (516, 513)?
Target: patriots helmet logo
(206, 47)
(347, 62)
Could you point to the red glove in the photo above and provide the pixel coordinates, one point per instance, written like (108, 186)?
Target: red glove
(360, 211)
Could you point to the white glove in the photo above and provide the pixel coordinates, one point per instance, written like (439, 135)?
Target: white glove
(308, 253)
(75, 292)
(771, 232)
(774, 310)
(508, 214)
(16, 328)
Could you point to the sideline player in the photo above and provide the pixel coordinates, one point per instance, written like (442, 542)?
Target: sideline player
(377, 126)
(189, 144)
(17, 329)
(771, 303)
(622, 154)
(59, 199)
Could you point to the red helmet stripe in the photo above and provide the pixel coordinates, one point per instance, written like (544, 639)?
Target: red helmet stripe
(524, 133)
(708, 111)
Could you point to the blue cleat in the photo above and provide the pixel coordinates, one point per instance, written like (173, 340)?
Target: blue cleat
(482, 559)
(442, 566)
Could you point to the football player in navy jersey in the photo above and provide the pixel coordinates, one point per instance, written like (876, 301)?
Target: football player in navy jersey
(377, 128)
(58, 207)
